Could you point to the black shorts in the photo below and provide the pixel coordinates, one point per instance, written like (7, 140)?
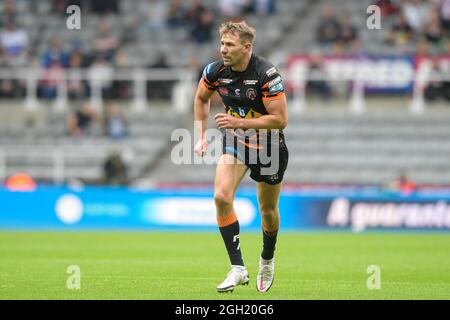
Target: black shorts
(266, 160)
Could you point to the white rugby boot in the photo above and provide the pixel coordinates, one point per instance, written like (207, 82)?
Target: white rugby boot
(266, 274)
(237, 276)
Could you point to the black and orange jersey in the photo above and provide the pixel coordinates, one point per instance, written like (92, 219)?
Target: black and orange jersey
(243, 93)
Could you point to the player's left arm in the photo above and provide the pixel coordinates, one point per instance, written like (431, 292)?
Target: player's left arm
(277, 117)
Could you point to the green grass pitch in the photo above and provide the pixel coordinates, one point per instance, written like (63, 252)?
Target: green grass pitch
(178, 265)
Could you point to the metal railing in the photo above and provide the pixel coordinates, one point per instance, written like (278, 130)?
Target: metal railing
(357, 101)
(56, 159)
(181, 98)
(185, 83)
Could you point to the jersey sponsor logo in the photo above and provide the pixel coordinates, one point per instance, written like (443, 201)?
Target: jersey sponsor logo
(237, 92)
(225, 81)
(241, 112)
(275, 81)
(250, 82)
(251, 94)
(194, 211)
(238, 112)
(223, 91)
(271, 71)
(276, 88)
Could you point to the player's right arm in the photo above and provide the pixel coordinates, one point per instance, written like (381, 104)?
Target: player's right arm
(205, 89)
(201, 109)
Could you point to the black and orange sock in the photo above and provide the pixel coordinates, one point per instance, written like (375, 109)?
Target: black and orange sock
(269, 241)
(229, 229)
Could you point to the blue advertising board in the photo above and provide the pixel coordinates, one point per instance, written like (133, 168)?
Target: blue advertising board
(99, 208)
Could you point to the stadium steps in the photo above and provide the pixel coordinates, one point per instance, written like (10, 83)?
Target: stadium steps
(34, 150)
(332, 147)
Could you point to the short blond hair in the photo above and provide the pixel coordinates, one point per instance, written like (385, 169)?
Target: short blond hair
(241, 29)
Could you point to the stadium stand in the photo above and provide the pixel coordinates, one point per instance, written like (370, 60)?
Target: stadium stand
(339, 148)
(327, 144)
(49, 154)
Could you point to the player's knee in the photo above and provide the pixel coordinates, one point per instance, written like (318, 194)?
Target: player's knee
(269, 212)
(223, 199)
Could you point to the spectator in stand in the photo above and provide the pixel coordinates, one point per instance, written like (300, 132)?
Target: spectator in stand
(445, 16)
(115, 124)
(348, 33)
(201, 31)
(401, 32)
(200, 21)
(446, 84)
(422, 48)
(433, 91)
(79, 122)
(432, 29)
(263, 7)
(77, 87)
(195, 10)
(387, 7)
(161, 89)
(60, 6)
(193, 65)
(338, 49)
(315, 86)
(436, 3)
(105, 43)
(48, 87)
(446, 90)
(153, 15)
(231, 9)
(14, 45)
(101, 74)
(121, 88)
(357, 50)
(415, 12)
(436, 90)
(54, 60)
(130, 31)
(9, 88)
(329, 28)
(9, 14)
(115, 170)
(105, 6)
(176, 14)
(55, 54)
(402, 184)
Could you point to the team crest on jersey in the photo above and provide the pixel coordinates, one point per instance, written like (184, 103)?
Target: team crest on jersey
(223, 91)
(251, 94)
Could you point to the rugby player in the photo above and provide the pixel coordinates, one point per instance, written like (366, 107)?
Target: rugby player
(252, 92)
